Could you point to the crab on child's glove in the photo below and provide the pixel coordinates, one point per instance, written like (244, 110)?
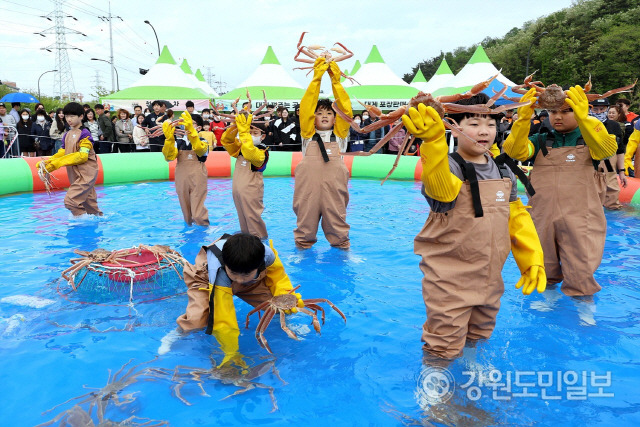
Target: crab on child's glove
(278, 282)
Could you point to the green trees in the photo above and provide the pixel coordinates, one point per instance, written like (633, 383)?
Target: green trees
(593, 37)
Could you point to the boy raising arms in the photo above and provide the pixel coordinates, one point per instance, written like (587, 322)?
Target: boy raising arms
(475, 219)
(244, 142)
(566, 208)
(78, 156)
(321, 178)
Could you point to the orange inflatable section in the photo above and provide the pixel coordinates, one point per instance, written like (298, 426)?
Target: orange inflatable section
(59, 177)
(626, 194)
(218, 165)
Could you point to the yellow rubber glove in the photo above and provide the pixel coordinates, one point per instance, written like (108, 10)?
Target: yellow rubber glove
(310, 100)
(249, 151)
(230, 142)
(601, 144)
(632, 146)
(439, 183)
(77, 158)
(526, 249)
(169, 150)
(278, 282)
(495, 150)
(517, 144)
(225, 326)
(198, 145)
(341, 126)
(60, 153)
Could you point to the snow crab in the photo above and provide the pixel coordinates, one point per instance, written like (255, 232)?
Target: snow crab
(246, 110)
(281, 303)
(442, 104)
(341, 50)
(46, 178)
(226, 374)
(552, 97)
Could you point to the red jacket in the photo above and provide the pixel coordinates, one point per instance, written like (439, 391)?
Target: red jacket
(218, 129)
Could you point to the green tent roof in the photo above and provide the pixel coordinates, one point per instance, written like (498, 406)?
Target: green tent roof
(199, 75)
(419, 77)
(270, 57)
(479, 56)
(273, 92)
(153, 92)
(444, 68)
(374, 56)
(185, 67)
(165, 57)
(355, 68)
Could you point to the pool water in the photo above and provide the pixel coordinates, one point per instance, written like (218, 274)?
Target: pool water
(369, 371)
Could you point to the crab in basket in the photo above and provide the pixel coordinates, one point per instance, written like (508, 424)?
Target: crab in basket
(552, 97)
(281, 303)
(341, 50)
(442, 104)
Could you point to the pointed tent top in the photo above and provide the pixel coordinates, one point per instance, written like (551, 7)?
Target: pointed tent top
(355, 68)
(374, 56)
(419, 77)
(270, 57)
(185, 67)
(165, 57)
(479, 56)
(444, 68)
(199, 75)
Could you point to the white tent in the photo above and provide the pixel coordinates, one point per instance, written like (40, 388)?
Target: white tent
(419, 82)
(441, 78)
(164, 81)
(197, 83)
(271, 77)
(478, 68)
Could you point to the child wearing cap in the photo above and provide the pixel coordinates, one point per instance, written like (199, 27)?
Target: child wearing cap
(566, 207)
(244, 142)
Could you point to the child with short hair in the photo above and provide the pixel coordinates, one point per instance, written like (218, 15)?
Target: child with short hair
(191, 171)
(240, 265)
(476, 218)
(321, 178)
(566, 209)
(80, 160)
(244, 142)
(207, 135)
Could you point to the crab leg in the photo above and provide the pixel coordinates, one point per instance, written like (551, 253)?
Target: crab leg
(319, 300)
(386, 138)
(612, 91)
(266, 319)
(264, 95)
(456, 127)
(256, 309)
(468, 94)
(316, 307)
(400, 153)
(283, 325)
(316, 324)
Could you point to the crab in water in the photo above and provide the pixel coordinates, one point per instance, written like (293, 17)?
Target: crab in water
(442, 104)
(552, 97)
(341, 50)
(280, 304)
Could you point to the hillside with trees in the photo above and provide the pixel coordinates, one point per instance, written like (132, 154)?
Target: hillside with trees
(597, 37)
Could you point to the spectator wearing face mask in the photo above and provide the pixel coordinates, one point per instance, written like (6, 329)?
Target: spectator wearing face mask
(374, 136)
(27, 144)
(356, 139)
(40, 134)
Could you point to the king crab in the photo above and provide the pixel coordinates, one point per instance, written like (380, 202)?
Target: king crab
(343, 53)
(281, 303)
(246, 110)
(442, 104)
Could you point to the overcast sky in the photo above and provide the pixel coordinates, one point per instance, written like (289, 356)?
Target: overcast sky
(231, 37)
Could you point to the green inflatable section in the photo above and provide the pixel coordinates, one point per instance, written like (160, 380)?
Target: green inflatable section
(378, 166)
(15, 176)
(130, 167)
(279, 164)
(635, 201)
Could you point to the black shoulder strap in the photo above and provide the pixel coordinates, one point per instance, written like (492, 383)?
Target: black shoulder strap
(469, 174)
(609, 166)
(323, 150)
(548, 142)
(504, 160)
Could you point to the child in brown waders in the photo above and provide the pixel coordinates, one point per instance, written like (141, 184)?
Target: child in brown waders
(321, 178)
(78, 156)
(476, 218)
(191, 172)
(240, 265)
(251, 160)
(566, 207)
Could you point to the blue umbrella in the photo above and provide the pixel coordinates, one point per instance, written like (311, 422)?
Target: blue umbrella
(19, 97)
